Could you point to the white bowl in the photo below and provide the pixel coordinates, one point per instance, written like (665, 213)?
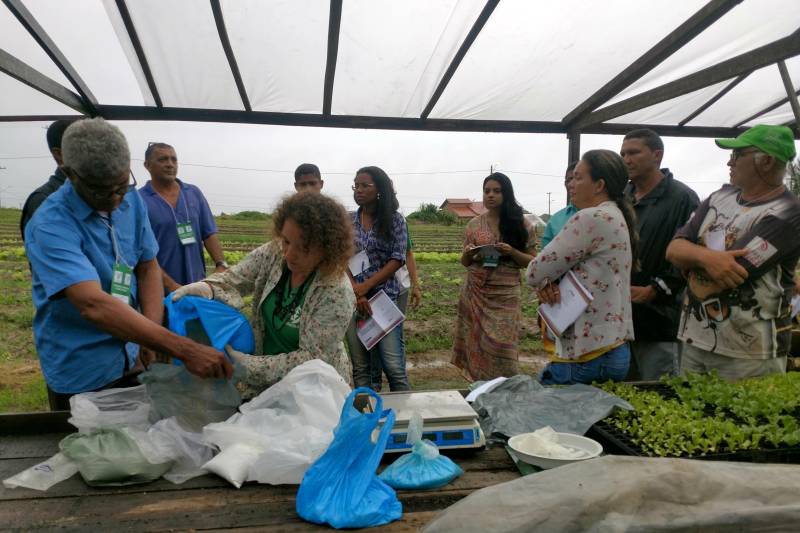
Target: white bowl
(518, 443)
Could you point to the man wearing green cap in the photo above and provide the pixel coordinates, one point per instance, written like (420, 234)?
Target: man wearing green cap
(739, 252)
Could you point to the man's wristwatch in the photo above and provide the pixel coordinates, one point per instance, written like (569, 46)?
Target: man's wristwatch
(222, 264)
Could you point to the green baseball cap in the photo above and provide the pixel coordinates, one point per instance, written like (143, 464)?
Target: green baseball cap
(777, 141)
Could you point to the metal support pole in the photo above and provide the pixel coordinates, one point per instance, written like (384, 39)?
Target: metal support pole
(574, 150)
(790, 91)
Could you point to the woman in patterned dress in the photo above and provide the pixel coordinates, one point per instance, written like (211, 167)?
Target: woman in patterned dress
(497, 244)
(302, 298)
(597, 244)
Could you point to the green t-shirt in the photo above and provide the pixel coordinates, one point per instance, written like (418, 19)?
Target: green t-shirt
(281, 314)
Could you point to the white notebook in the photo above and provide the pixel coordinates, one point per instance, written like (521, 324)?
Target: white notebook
(385, 317)
(575, 298)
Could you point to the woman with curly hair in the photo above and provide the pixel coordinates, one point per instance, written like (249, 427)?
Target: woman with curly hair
(381, 240)
(497, 244)
(302, 297)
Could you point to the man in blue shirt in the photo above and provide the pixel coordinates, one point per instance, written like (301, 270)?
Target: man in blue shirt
(181, 220)
(96, 283)
(561, 217)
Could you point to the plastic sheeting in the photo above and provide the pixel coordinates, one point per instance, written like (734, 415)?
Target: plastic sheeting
(521, 405)
(533, 60)
(616, 493)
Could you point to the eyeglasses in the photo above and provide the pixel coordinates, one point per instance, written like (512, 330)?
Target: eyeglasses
(358, 186)
(104, 193)
(741, 152)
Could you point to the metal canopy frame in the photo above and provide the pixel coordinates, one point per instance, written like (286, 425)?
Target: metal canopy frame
(36, 80)
(137, 46)
(589, 117)
(670, 44)
(219, 20)
(334, 25)
(29, 22)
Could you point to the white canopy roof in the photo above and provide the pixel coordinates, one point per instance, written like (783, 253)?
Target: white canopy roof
(693, 67)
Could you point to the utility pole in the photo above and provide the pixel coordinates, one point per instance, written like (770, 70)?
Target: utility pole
(548, 203)
(2, 191)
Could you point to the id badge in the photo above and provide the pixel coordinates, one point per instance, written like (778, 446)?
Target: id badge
(186, 233)
(121, 280)
(491, 261)
(491, 257)
(359, 263)
(715, 240)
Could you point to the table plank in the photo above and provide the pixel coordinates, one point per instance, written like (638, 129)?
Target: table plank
(42, 445)
(408, 522)
(75, 486)
(489, 460)
(204, 508)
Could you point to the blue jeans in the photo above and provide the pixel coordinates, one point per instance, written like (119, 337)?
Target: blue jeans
(611, 365)
(389, 354)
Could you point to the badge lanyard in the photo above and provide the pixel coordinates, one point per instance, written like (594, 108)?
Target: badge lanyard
(122, 274)
(185, 230)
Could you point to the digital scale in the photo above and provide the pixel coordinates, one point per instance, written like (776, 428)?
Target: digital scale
(448, 420)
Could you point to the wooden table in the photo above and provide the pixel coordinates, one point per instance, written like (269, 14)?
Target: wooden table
(206, 503)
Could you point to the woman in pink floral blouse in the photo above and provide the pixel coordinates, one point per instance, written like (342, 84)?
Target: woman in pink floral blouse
(597, 244)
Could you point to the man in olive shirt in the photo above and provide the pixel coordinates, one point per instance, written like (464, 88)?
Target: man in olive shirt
(662, 204)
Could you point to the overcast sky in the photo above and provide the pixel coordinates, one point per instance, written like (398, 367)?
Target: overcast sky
(249, 167)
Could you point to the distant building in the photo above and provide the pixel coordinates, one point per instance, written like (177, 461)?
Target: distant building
(464, 208)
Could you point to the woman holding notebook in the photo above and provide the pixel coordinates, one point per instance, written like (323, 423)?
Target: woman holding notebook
(380, 241)
(497, 244)
(597, 245)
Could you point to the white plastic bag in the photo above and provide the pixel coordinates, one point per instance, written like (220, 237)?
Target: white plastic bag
(403, 278)
(111, 408)
(186, 448)
(285, 428)
(44, 475)
(234, 462)
(193, 400)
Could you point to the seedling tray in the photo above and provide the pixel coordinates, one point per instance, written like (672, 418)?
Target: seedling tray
(618, 442)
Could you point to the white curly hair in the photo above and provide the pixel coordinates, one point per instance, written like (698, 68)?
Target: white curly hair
(96, 150)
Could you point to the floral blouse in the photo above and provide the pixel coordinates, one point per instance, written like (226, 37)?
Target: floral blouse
(595, 245)
(326, 312)
(380, 251)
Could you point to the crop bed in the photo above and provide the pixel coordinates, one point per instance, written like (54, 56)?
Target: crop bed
(704, 417)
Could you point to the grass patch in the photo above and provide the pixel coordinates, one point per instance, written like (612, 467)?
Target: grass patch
(28, 396)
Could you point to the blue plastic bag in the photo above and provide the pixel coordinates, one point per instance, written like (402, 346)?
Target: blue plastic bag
(341, 488)
(222, 324)
(423, 468)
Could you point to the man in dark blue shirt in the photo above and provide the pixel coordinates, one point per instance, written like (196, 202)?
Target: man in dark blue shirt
(181, 220)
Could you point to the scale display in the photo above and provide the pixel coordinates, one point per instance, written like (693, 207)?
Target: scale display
(444, 438)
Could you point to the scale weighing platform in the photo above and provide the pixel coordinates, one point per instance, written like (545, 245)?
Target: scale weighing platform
(448, 420)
